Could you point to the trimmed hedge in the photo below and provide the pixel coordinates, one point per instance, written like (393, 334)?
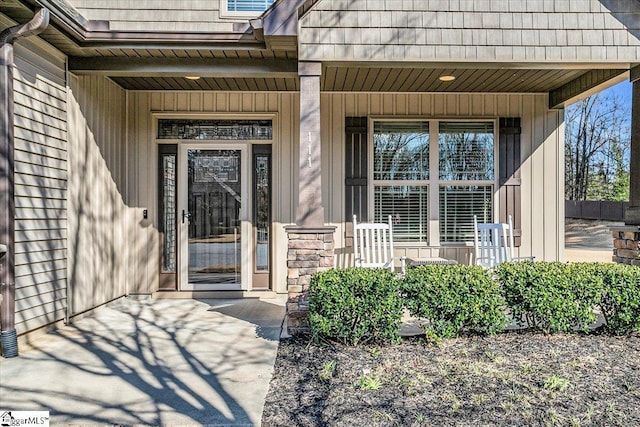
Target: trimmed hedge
(454, 298)
(355, 306)
(620, 301)
(551, 296)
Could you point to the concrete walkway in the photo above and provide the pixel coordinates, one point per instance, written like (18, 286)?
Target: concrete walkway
(151, 362)
(588, 240)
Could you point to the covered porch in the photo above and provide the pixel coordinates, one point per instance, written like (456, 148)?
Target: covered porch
(331, 79)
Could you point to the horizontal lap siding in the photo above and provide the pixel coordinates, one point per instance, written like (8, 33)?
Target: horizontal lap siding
(156, 15)
(40, 186)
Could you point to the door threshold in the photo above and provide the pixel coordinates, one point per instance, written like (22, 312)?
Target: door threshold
(213, 294)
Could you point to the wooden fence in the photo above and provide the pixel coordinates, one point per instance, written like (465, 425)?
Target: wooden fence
(592, 209)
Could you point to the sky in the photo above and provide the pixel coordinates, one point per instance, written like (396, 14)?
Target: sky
(623, 90)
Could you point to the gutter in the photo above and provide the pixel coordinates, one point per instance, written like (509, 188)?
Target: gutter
(8, 335)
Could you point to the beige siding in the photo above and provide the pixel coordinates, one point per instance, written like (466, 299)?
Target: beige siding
(497, 30)
(157, 15)
(100, 223)
(542, 161)
(41, 185)
(542, 172)
(143, 162)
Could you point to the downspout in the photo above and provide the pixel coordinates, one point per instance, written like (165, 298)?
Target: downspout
(8, 335)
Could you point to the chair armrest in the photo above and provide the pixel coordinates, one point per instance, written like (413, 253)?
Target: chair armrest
(530, 258)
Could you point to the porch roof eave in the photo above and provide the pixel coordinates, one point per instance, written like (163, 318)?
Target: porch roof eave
(75, 35)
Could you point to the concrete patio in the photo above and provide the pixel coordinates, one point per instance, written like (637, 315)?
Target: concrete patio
(151, 362)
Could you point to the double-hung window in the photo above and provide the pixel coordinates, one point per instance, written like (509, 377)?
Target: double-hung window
(432, 177)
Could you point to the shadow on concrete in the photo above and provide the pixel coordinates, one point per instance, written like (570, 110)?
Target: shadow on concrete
(266, 315)
(151, 362)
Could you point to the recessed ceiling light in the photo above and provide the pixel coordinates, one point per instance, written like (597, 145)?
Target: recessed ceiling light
(192, 77)
(447, 78)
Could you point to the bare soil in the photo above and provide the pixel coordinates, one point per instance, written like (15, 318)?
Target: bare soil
(514, 378)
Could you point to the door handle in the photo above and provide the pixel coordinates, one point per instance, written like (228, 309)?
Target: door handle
(185, 215)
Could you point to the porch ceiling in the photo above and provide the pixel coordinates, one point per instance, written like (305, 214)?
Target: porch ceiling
(421, 79)
(249, 84)
(372, 79)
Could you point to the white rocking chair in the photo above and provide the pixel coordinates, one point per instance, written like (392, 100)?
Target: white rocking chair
(373, 245)
(494, 243)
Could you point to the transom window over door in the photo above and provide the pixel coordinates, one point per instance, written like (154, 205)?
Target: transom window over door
(408, 169)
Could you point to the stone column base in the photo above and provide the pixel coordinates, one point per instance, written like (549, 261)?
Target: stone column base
(626, 244)
(310, 250)
(632, 215)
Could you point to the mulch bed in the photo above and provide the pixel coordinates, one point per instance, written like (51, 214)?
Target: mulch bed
(515, 378)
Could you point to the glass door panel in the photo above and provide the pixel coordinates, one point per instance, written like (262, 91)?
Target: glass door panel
(167, 208)
(261, 216)
(214, 217)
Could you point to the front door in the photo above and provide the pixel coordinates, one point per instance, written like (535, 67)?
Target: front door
(214, 225)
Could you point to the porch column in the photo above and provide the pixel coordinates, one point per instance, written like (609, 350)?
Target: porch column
(626, 240)
(311, 243)
(310, 212)
(632, 216)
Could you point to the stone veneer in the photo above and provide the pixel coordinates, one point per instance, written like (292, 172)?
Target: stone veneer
(626, 244)
(310, 250)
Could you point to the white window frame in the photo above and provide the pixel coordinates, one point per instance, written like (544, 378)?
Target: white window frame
(225, 13)
(433, 183)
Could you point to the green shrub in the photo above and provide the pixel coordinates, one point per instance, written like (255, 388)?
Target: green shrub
(551, 296)
(620, 302)
(453, 298)
(355, 306)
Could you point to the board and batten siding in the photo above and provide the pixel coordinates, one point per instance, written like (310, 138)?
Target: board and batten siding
(143, 154)
(41, 153)
(102, 228)
(541, 154)
(542, 168)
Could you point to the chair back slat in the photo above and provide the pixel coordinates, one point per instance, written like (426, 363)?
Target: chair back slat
(373, 244)
(493, 242)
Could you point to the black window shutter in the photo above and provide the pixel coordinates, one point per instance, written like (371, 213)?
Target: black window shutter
(356, 161)
(509, 174)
